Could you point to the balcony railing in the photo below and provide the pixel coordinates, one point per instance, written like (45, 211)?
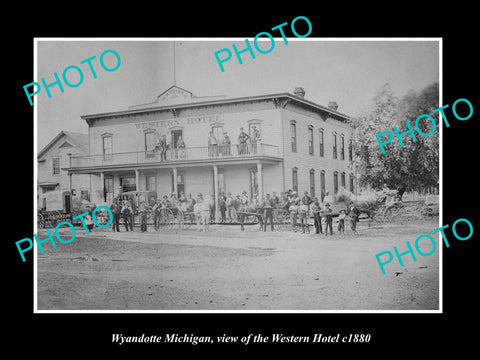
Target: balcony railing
(178, 155)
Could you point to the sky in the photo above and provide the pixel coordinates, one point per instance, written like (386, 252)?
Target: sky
(346, 71)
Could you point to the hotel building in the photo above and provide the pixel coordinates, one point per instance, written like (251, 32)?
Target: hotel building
(302, 146)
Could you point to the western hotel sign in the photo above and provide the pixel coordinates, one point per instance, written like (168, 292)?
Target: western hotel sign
(179, 122)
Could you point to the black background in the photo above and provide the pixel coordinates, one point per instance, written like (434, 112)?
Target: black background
(60, 335)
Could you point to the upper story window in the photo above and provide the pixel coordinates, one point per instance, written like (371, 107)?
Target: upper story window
(56, 166)
(295, 179)
(334, 144)
(321, 141)
(310, 139)
(342, 147)
(150, 142)
(293, 135)
(107, 147)
(350, 150)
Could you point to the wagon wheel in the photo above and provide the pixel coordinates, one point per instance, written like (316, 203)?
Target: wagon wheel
(166, 219)
(189, 219)
(180, 219)
(40, 221)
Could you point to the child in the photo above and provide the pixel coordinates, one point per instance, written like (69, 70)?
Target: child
(328, 219)
(341, 222)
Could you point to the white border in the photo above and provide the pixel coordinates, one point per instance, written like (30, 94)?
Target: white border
(35, 289)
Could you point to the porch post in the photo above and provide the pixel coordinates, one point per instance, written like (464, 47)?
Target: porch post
(175, 184)
(102, 184)
(137, 179)
(260, 181)
(215, 190)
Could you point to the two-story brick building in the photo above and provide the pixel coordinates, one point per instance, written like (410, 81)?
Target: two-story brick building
(301, 146)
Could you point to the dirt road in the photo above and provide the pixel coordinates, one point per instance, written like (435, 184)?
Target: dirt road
(226, 269)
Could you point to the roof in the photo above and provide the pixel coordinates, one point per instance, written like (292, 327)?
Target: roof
(80, 141)
(289, 96)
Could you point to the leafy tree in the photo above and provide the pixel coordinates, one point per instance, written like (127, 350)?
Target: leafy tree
(411, 167)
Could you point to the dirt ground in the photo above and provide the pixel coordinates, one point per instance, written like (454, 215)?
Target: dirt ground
(226, 269)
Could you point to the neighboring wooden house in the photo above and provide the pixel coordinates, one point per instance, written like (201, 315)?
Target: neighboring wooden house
(53, 183)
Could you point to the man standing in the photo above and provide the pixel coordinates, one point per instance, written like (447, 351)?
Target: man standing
(242, 142)
(222, 204)
(117, 212)
(316, 216)
(127, 215)
(353, 214)
(212, 145)
(226, 144)
(163, 148)
(303, 214)
(328, 218)
(230, 207)
(143, 209)
(268, 212)
(255, 139)
(156, 214)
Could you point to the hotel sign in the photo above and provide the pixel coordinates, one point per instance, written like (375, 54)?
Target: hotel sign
(178, 122)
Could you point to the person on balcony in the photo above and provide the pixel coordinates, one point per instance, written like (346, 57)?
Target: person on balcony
(212, 145)
(226, 144)
(242, 142)
(255, 139)
(181, 148)
(163, 146)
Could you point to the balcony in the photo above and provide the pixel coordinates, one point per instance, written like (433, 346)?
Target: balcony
(178, 156)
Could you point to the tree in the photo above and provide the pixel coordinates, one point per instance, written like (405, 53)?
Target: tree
(412, 167)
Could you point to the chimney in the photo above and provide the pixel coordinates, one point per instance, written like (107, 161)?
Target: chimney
(332, 105)
(299, 91)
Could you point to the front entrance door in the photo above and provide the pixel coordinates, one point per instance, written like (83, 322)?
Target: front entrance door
(176, 134)
(66, 201)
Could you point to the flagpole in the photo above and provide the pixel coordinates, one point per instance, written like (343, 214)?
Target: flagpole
(174, 72)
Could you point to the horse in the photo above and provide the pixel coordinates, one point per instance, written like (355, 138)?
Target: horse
(245, 210)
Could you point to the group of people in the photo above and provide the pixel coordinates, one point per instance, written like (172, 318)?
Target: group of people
(246, 144)
(178, 152)
(300, 210)
(202, 211)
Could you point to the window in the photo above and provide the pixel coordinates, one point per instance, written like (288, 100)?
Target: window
(56, 166)
(335, 182)
(342, 180)
(310, 140)
(293, 135)
(312, 183)
(151, 183)
(149, 144)
(352, 180)
(342, 147)
(107, 148)
(350, 150)
(321, 142)
(108, 190)
(180, 183)
(218, 133)
(128, 183)
(334, 143)
(295, 179)
(322, 185)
